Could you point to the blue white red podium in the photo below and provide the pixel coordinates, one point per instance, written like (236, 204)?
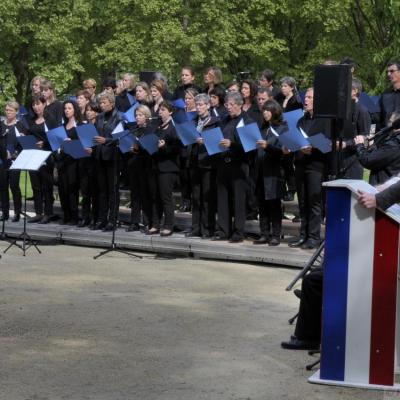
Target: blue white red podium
(360, 293)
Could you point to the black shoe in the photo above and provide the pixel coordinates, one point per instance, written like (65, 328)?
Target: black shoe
(310, 244)
(297, 293)
(274, 242)
(4, 217)
(100, 225)
(133, 228)
(83, 223)
(16, 218)
(193, 234)
(36, 218)
(109, 227)
(262, 240)
(296, 219)
(236, 239)
(297, 242)
(73, 222)
(206, 236)
(296, 344)
(44, 220)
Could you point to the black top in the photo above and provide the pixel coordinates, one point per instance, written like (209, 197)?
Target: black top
(313, 126)
(255, 114)
(294, 103)
(167, 157)
(55, 111)
(179, 92)
(235, 151)
(122, 102)
(39, 130)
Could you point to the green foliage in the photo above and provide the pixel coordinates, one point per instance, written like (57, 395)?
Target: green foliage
(70, 40)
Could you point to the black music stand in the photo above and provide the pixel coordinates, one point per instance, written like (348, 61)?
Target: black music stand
(28, 160)
(113, 246)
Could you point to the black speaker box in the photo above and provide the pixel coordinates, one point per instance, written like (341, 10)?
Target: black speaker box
(332, 91)
(146, 76)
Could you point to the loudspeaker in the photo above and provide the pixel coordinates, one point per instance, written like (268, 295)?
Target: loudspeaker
(332, 91)
(146, 76)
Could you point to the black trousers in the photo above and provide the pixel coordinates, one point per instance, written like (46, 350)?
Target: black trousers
(166, 183)
(145, 202)
(270, 217)
(309, 192)
(42, 183)
(108, 183)
(184, 180)
(89, 189)
(9, 179)
(251, 198)
(289, 172)
(308, 326)
(204, 200)
(231, 205)
(68, 187)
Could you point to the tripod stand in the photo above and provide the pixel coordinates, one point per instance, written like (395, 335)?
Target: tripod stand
(113, 246)
(26, 239)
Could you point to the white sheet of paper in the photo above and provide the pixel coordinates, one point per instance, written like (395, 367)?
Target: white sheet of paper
(30, 160)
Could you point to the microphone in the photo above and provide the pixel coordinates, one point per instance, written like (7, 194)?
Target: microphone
(395, 125)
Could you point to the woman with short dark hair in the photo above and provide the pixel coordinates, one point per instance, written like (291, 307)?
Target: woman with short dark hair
(269, 180)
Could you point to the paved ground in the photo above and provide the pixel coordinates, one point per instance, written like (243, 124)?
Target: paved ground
(72, 328)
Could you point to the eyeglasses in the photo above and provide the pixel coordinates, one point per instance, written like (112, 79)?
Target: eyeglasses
(391, 71)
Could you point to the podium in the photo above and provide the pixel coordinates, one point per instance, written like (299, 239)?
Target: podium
(360, 291)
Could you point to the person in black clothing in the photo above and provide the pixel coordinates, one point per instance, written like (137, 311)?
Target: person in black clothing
(263, 95)
(250, 107)
(267, 81)
(106, 154)
(87, 177)
(389, 101)
(42, 181)
(217, 101)
(187, 82)
(310, 169)
(202, 173)
(290, 100)
(54, 108)
(270, 182)
(249, 90)
(82, 99)
(232, 175)
(68, 167)
(142, 178)
(359, 124)
(167, 165)
(212, 79)
(233, 86)
(125, 99)
(383, 157)
(158, 89)
(10, 129)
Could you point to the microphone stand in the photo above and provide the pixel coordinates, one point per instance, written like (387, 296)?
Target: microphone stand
(113, 246)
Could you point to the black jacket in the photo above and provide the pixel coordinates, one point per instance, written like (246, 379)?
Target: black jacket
(105, 124)
(388, 103)
(167, 158)
(39, 130)
(198, 156)
(8, 141)
(382, 158)
(179, 92)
